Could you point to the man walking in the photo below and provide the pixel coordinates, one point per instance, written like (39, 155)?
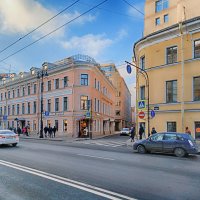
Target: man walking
(54, 131)
(141, 131)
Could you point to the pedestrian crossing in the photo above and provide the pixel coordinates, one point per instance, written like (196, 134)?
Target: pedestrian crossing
(103, 143)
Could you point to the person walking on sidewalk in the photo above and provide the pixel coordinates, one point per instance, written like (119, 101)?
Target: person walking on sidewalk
(45, 131)
(153, 131)
(132, 134)
(187, 130)
(54, 131)
(141, 131)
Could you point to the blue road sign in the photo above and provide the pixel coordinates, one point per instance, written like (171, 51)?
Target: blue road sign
(153, 114)
(128, 69)
(142, 104)
(5, 117)
(156, 107)
(87, 115)
(46, 113)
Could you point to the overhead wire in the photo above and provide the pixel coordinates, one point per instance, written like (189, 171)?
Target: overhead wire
(54, 30)
(133, 7)
(13, 43)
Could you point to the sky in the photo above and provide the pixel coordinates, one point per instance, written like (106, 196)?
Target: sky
(106, 33)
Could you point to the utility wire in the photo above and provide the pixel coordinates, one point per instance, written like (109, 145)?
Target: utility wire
(54, 30)
(133, 7)
(10, 45)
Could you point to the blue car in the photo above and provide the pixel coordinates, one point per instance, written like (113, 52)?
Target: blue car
(180, 144)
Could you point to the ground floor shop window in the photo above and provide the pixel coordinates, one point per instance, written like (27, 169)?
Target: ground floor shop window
(49, 123)
(83, 128)
(65, 125)
(56, 124)
(197, 130)
(171, 126)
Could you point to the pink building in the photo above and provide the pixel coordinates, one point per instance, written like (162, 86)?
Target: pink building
(76, 95)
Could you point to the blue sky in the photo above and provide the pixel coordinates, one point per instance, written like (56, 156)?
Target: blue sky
(107, 33)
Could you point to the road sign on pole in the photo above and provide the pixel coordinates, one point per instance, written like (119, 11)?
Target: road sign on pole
(5, 117)
(141, 105)
(141, 115)
(153, 114)
(88, 115)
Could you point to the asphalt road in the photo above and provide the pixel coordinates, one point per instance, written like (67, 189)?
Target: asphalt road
(77, 170)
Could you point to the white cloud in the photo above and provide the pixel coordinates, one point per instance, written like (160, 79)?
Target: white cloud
(121, 35)
(22, 16)
(90, 44)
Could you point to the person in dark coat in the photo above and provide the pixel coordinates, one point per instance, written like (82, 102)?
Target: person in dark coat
(19, 131)
(132, 134)
(153, 131)
(50, 131)
(141, 131)
(45, 131)
(54, 131)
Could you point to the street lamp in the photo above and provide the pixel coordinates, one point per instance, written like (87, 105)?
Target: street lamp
(41, 74)
(147, 84)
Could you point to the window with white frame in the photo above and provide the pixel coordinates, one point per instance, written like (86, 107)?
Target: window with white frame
(142, 92)
(171, 126)
(196, 88)
(65, 81)
(197, 48)
(161, 5)
(166, 18)
(142, 62)
(171, 56)
(84, 79)
(65, 103)
(56, 104)
(84, 102)
(157, 21)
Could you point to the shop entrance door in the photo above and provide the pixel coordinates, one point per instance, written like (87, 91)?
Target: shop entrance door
(197, 130)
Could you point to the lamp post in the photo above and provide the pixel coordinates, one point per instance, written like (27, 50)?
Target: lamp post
(147, 84)
(5, 111)
(40, 75)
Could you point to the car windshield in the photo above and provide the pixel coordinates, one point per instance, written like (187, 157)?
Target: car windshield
(125, 129)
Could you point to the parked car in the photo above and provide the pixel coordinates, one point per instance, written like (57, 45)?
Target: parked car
(125, 131)
(180, 144)
(8, 137)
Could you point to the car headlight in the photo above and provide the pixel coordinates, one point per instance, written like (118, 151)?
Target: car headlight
(191, 144)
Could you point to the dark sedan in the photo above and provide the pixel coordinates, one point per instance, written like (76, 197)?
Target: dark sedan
(180, 144)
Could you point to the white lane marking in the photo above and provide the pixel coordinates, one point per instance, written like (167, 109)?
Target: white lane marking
(99, 157)
(66, 181)
(104, 143)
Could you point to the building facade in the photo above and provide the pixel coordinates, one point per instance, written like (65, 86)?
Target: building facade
(122, 97)
(76, 94)
(170, 53)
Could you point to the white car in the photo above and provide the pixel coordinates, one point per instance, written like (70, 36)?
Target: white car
(8, 137)
(125, 131)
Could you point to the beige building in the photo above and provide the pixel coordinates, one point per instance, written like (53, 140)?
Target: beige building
(122, 97)
(170, 53)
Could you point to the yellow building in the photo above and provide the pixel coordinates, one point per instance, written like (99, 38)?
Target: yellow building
(170, 53)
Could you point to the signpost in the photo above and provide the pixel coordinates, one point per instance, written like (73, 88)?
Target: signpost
(88, 115)
(141, 115)
(153, 114)
(46, 113)
(156, 108)
(5, 117)
(141, 105)
(128, 69)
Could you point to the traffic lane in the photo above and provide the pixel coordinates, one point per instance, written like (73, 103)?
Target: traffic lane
(18, 185)
(128, 174)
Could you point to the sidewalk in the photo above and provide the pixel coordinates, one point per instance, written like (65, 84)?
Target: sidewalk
(63, 138)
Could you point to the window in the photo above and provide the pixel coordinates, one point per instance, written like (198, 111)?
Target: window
(57, 83)
(29, 90)
(95, 104)
(13, 93)
(56, 124)
(29, 108)
(166, 18)
(196, 88)
(17, 109)
(95, 83)
(34, 106)
(117, 112)
(23, 108)
(65, 103)
(65, 125)
(65, 81)
(8, 110)
(49, 105)
(56, 104)
(157, 137)
(161, 5)
(142, 62)
(13, 109)
(157, 22)
(1, 111)
(18, 93)
(49, 86)
(8, 94)
(171, 55)
(1, 96)
(84, 100)
(5, 110)
(142, 92)
(171, 91)
(23, 91)
(197, 49)
(42, 87)
(84, 79)
(34, 88)
(171, 126)
(170, 137)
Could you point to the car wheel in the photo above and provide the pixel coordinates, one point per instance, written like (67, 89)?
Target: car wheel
(179, 152)
(14, 145)
(141, 149)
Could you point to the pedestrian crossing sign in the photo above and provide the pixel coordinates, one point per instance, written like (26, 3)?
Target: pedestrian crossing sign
(141, 105)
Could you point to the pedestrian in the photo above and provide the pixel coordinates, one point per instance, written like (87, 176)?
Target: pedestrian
(153, 131)
(19, 131)
(141, 131)
(50, 131)
(45, 131)
(54, 131)
(24, 130)
(187, 130)
(132, 134)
